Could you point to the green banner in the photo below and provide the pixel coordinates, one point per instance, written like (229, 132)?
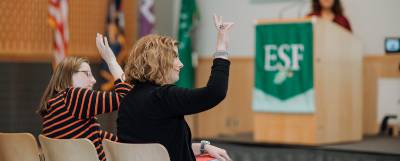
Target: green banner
(284, 68)
(188, 15)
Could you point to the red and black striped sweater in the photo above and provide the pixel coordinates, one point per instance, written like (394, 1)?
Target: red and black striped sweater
(72, 114)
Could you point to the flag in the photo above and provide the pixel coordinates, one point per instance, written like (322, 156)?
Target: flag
(284, 68)
(115, 29)
(146, 17)
(188, 15)
(58, 20)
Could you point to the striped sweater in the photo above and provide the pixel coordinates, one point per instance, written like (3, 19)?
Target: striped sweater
(71, 114)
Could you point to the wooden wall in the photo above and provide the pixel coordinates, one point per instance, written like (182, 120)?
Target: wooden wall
(234, 115)
(375, 67)
(26, 35)
(23, 29)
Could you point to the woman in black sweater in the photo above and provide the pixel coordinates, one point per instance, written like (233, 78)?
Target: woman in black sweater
(154, 111)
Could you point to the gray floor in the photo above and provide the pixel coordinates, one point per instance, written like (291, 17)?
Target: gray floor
(377, 144)
(242, 152)
(370, 149)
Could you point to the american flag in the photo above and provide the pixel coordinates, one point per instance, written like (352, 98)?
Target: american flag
(58, 20)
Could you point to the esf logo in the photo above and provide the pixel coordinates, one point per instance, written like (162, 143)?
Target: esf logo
(285, 56)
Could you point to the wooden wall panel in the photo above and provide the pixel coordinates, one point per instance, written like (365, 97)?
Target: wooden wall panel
(375, 67)
(85, 19)
(23, 28)
(234, 115)
(26, 36)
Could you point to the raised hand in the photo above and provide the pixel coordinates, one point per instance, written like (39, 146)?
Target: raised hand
(222, 27)
(222, 33)
(108, 56)
(104, 49)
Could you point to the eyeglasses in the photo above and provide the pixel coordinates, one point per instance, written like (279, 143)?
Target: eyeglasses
(88, 73)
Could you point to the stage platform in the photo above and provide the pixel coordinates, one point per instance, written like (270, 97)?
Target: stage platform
(376, 148)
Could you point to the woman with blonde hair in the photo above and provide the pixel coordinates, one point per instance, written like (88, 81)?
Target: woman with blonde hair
(69, 106)
(154, 112)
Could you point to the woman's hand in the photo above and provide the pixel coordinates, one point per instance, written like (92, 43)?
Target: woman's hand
(217, 153)
(104, 49)
(222, 33)
(108, 56)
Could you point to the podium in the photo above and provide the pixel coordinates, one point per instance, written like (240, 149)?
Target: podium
(334, 113)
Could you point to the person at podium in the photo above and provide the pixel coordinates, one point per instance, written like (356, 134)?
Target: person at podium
(330, 10)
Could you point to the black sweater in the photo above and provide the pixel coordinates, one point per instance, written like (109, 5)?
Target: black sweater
(152, 113)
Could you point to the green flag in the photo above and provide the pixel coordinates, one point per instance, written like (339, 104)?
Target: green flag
(187, 16)
(284, 68)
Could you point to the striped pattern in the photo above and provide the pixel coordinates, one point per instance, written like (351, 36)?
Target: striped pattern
(58, 20)
(72, 114)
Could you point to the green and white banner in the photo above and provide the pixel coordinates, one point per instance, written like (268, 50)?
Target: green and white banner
(284, 68)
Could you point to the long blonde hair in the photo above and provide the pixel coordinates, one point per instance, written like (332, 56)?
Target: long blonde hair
(60, 80)
(151, 59)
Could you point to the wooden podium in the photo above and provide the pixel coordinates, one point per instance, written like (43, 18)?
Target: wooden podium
(337, 81)
(338, 98)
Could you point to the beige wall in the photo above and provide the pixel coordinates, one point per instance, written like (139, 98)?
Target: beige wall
(372, 21)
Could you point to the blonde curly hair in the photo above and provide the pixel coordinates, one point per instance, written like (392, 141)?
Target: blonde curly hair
(151, 59)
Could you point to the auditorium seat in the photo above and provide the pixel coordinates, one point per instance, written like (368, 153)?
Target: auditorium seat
(19, 147)
(134, 152)
(68, 149)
